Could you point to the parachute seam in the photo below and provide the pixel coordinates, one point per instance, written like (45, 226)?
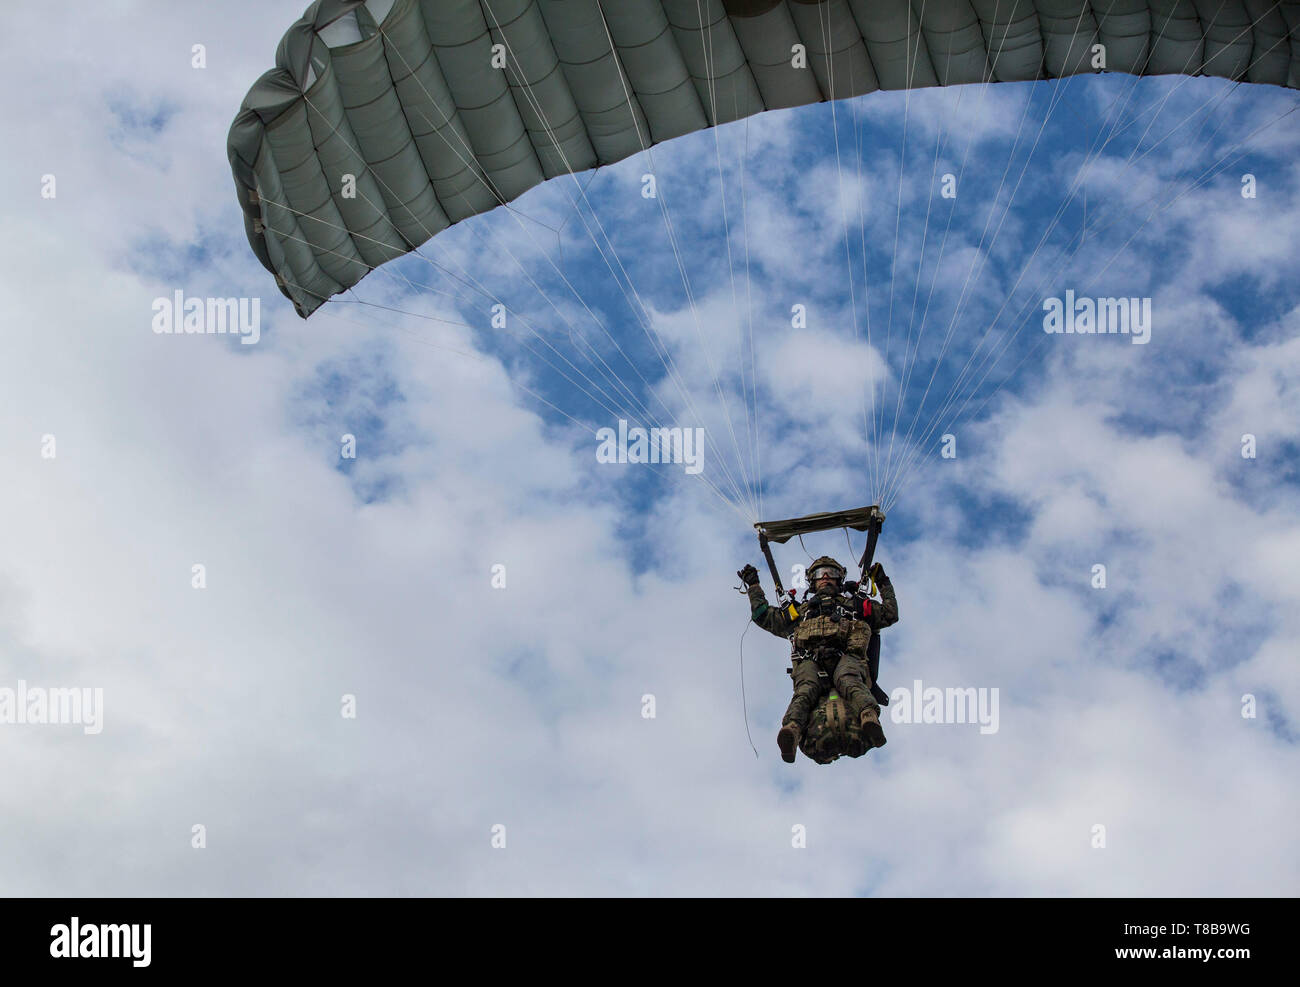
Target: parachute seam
(516, 89)
(694, 79)
(330, 72)
(920, 30)
(317, 268)
(866, 52)
(491, 175)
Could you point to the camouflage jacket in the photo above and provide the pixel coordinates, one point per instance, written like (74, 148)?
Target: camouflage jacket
(843, 621)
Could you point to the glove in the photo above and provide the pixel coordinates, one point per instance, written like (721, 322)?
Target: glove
(748, 575)
(878, 574)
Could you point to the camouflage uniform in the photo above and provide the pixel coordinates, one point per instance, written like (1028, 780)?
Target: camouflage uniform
(830, 633)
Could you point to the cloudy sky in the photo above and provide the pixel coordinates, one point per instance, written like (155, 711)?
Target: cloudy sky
(478, 706)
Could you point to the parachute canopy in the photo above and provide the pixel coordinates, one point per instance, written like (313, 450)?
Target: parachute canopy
(443, 109)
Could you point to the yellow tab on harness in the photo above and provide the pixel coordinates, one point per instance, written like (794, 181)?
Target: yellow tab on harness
(791, 612)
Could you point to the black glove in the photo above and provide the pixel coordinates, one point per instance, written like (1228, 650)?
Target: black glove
(878, 574)
(748, 575)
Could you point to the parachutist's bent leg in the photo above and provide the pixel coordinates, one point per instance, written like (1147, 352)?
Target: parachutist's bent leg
(807, 689)
(853, 681)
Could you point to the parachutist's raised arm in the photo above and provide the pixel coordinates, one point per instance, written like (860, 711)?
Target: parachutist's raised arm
(887, 613)
(772, 619)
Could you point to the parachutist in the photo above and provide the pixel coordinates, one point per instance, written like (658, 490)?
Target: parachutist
(830, 633)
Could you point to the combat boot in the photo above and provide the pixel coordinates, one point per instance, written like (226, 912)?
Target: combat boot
(869, 723)
(788, 740)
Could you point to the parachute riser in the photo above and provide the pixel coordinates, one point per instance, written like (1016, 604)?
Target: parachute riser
(771, 563)
(873, 535)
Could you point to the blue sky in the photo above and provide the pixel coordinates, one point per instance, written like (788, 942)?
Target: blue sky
(522, 706)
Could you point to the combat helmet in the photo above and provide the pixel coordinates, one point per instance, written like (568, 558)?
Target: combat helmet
(824, 563)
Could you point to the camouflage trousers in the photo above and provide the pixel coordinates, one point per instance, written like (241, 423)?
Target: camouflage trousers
(849, 676)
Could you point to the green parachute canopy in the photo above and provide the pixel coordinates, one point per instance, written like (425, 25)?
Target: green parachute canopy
(443, 109)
